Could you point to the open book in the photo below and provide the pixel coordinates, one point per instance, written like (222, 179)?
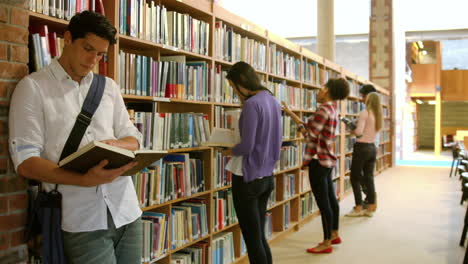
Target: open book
(350, 124)
(222, 137)
(91, 154)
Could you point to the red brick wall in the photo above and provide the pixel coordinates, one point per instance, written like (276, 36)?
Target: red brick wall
(14, 21)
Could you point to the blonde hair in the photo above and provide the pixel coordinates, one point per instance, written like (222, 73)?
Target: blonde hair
(373, 105)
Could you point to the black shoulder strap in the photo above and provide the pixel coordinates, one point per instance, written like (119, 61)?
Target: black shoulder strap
(90, 104)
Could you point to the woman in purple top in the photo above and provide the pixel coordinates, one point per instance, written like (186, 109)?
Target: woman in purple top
(261, 137)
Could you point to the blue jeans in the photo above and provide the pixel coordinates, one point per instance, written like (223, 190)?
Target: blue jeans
(112, 246)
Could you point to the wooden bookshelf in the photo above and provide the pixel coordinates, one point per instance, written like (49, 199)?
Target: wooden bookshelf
(211, 13)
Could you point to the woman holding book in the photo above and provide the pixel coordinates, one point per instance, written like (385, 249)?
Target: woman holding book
(254, 158)
(319, 133)
(364, 155)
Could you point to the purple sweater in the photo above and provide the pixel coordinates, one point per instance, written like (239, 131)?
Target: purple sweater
(261, 136)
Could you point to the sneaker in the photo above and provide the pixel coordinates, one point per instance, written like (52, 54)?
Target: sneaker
(354, 213)
(369, 213)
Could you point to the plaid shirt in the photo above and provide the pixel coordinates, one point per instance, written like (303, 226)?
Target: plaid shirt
(320, 135)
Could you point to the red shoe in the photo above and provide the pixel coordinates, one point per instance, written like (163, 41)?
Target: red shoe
(336, 241)
(313, 250)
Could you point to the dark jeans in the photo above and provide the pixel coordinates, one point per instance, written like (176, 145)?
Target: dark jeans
(250, 201)
(362, 171)
(324, 193)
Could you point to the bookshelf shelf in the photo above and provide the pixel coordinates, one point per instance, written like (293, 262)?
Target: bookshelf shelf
(187, 149)
(293, 139)
(280, 203)
(310, 85)
(224, 228)
(222, 188)
(313, 72)
(196, 195)
(287, 170)
(228, 105)
(282, 78)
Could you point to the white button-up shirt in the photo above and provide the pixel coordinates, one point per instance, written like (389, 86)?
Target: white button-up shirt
(43, 111)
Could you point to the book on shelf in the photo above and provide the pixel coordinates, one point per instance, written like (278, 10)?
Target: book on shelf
(91, 154)
(222, 137)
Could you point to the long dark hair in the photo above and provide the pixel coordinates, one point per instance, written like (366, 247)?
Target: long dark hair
(242, 74)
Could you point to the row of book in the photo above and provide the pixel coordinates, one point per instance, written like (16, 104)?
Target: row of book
(309, 100)
(65, 9)
(289, 185)
(336, 170)
(311, 72)
(289, 94)
(349, 143)
(171, 77)
(354, 107)
(226, 117)
(45, 45)
(224, 212)
(223, 92)
(172, 177)
(221, 176)
(283, 64)
(384, 136)
(336, 146)
(155, 235)
(353, 88)
(188, 222)
(223, 248)
(272, 198)
(286, 215)
(289, 127)
(162, 131)
(348, 162)
(233, 47)
(198, 253)
(268, 225)
(308, 205)
(304, 183)
(152, 22)
(289, 157)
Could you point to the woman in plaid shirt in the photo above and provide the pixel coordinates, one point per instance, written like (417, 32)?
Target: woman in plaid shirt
(319, 133)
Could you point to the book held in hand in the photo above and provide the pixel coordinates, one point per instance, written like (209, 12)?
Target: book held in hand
(350, 124)
(90, 155)
(223, 137)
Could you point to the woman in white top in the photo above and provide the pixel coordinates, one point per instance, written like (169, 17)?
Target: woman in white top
(364, 154)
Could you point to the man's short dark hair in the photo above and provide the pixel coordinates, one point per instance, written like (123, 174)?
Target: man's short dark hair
(338, 89)
(367, 89)
(91, 22)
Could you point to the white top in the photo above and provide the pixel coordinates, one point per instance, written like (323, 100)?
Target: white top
(43, 111)
(366, 127)
(235, 165)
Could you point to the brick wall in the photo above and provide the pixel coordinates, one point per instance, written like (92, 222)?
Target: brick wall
(14, 21)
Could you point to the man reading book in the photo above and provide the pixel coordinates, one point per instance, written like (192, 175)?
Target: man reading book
(100, 211)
